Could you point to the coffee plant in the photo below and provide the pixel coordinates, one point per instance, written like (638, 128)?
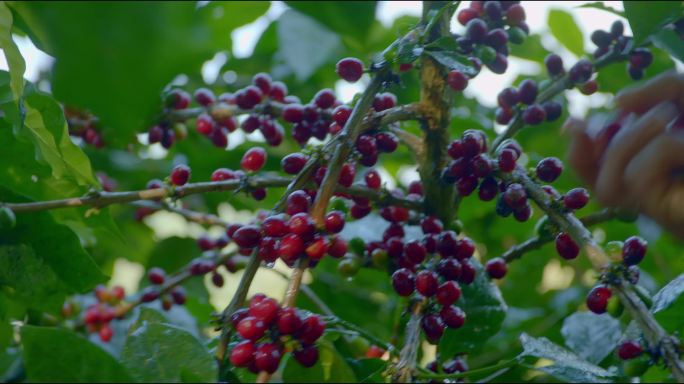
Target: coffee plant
(422, 236)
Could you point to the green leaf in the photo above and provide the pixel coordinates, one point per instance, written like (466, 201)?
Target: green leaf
(15, 61)
(668, 305)
(60, 355)
(350, 18)
(331, 367)
(565, 30)
(55, 244)
(160, 352)
(567, 366)
(126, 53)
(305, 44)
(532, 49)
(648, 17)
(224, 16)
(670, 42)
(369, 370)
(453, 61)
(602, 6)
(581, 330)
(485, 311)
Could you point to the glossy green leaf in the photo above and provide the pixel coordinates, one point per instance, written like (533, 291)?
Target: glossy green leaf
(350, 18)
(369, 370)
(305, 44)
(15, 61)
(602, 6)
(668, 305)
(453, 61)
(156, 351)
(648, 17)
(582, 329)
(670, 42)
(485, 312)
(331, 367)
(225, 16)
(564, 28)
(566, 365)
(60, 355)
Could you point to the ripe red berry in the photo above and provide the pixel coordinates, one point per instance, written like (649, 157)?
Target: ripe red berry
(507, 159)
(554, 64)
(337, 247)
(528, 91)
(415, 251)
(205, 97)
(466, 14)
(242, 354)
(426, 283)
(508, 98)
(178, 99)
(156, 276)
(597, 300)
(263, 81)
(581, 71)
(489, 188)
(515, 196)
(217, 279)
(349, 69)
(453, 316)
(448, 244)
(629, 349)
(149, 294)
(298, 201)
(448, 293)
(288, 321)
(634, 250)
(373, 179)
(306, 355)
(341, 114)
(455, 149)
(457, 80)
(248, 97)
(534, 114)
(431, 224)
(476, 30)
(254, 159)
(499, 65)
(325, 98)
(403, 281)
(274, 226)
(247, 236)
(302, 224)
(267, 249)
(251, 328)
(366, 145)
(433, 326)
(293, 163)
(180, 174)
(290, 247)
(549, 169)
(178, 295)
(465, 248)
(334, 222)
(106, 333)
(496, 268)
(278, 91)
(387, 142)
(566, 247)
(474, 142)
(293, 113)
(449, 269)
(312, 329)
(316, 248)
(359, 211)
(515, 15)
(576, 198)
(468, 273)
(265, 309)
(267, 357)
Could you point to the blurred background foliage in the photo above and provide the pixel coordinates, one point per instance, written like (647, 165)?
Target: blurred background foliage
(115, 59)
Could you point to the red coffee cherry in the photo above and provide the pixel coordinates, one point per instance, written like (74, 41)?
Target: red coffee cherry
(254, 159)
(629, 349)
(325, 98)
(334, 222)
(554, 64)
(293, 163)
(448, 293)
(290, 247)
(453, 316)
(466, 14)
(528, 91)
(156, 276)
(265, 309)
(507, 159)
(204, 97)
(457, 80)
(242, 354)
(496, 268)
(267, 357)
(549, 169)
(349, 69)
(426, 283)
(106, 333)
(298, 201)
(566, 247)
(387, 142)
(597, 300)
(288, 321)
(312, 329)
(634, 250)
(293, 113)
(534, 114)
(433, 326)
(306, 355)
(403, 282)
(180, 174)
(576, 198)
(251, 328)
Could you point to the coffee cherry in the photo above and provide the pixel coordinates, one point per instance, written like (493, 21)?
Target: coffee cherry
(465, 15)
(515, 15)
(298, 201)
(581, 71)
(473, 142)
(448, 293)
(433, 326)
(515, 196)
(254, 159)
(403, 282)
(217, 279)
(106, 333)
(341, 115)
(155, 134)
(274, 226)
(455, 365)
(465, 248)
(265, 309)
(447, 244)
(204, 97)
(293, 163)
(366, 145)
(431, 224)
(242, 354)
(554, 64)
(497, 39)
(601, 38)
(178, 99)
(534, 114)
(640, 58)
(302, 224)
(468, 273)
(387, 142)
(248, 97)
(549, 169)
(178, 295)
(156, 276)
(267, 249)
(251, 328)
(528, 91)
(290, 247)
(288, 321)
(426, 283)
(180, 174)
(576, 198)
(453, 316)
(247, 236)
(503, 116)
(278, 91)
(597, 300)
(523, 213)
(499, 65)
(566, 247)
(306, 355)
(476, 30)
(493, 10)
(350, 69)
(496, 268)
(553, 110)
(466, 185)
(334, 222)
(508, 98)
(457, 80)
(293, 113)
(634, 250)
(489, 188)
(267, 357)
(325, 98)
(629, 349)
(589, 88)
(449, 269)
(312, 329)
(251, 123)
(359, 211)
(507, 159)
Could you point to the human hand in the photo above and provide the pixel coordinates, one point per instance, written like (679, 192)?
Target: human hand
(639, 164)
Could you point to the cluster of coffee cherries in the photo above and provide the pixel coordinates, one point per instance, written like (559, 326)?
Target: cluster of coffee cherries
(84, 125)
(489, 27)
(632, 252)
(98, 316)
(434, 278)
(613, 40)
(268, 331)
(457, 364)
(157, 278)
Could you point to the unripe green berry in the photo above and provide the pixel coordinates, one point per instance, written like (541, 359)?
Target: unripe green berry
(636, 367)
(614, 250)
(485, 53)
(380, 258)
(359, 346)
(516, 35)
(349, 265)
(357, 245)
(615, 307)
(545, 228)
